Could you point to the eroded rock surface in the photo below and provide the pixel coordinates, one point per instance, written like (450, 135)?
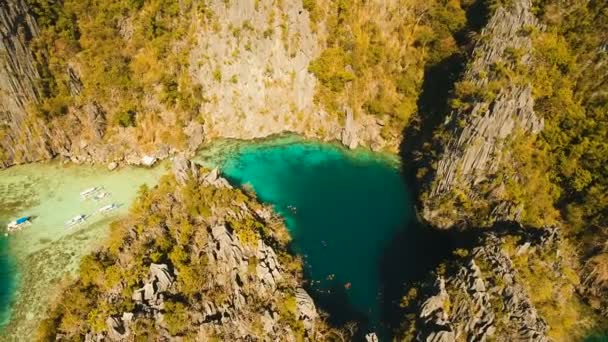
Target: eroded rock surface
(245, 289)
(473, 152)
(483, 298)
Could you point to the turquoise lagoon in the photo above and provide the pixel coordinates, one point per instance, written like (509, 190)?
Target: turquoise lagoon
(32, 260)
(342, 209)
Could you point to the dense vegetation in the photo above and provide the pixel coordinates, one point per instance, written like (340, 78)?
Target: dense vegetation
(171, 224)
(130, 56)
(572, 96)
(377, 52)
(559, 176)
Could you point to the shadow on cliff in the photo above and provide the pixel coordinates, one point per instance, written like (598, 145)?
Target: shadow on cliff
(418, 249)
(417, 146)
(413, 253)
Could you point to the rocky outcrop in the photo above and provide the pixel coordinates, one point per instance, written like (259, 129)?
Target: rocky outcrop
(595, 280)
(19, 80)
(251, 70)
(477, 135)
(483, 298)
(259, 54)
(243, 292)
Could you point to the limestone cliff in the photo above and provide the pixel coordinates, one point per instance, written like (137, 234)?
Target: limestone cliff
(245, 66)
(476, 304)
(200, 267)
(19, 133)
(477, 134)
(513, 286)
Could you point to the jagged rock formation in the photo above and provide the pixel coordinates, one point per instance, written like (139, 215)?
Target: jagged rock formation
(483, 298)
(474, 151)
(223, 281)
(19, 78)
(252, 67)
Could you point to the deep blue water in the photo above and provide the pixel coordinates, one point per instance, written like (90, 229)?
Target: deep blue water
(342, 209)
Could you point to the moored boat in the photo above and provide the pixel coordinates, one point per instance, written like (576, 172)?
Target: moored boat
(101, 195)
(90, 192)
(18, 224)
(108, 208)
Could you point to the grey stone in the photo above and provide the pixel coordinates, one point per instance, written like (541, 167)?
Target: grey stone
(163, 276)
(475, 149)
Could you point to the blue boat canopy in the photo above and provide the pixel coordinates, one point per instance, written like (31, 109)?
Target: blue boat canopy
(21, 220)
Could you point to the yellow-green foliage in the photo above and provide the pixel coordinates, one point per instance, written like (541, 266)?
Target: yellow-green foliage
(526, 174)
(176, 317)
(568, 81)
(123, 51)
(552, 289)
(167, 224)
(374, 63)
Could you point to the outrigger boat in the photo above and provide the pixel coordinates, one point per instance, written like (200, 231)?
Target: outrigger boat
(88, 193)
(18, 224)
(76, 220)
(108, 208)
(101, 195)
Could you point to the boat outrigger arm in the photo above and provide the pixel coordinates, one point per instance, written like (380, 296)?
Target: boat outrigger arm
(76, 220)
(108, 208)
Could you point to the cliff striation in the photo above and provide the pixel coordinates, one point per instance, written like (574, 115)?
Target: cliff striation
(211, 69)
(478, 131)
(19, 80)
(483, 298)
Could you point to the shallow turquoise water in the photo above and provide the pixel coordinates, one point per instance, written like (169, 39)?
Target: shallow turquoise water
(50, 193)
(342, 208)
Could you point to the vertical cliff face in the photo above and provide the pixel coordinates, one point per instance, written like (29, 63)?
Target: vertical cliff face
(18, 86)
(478, 132)
(485, 294)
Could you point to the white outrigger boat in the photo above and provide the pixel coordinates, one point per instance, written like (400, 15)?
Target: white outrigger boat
(108, 208)
(90, 192)
(76, 220)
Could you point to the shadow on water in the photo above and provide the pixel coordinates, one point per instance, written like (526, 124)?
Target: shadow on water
(412, 254)
(417, 249)
(416, 150)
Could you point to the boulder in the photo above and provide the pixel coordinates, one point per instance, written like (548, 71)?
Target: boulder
(116, 328)
(161, 274)
(371, 337)
(349, 132)
(148, 161)
(307, 310)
